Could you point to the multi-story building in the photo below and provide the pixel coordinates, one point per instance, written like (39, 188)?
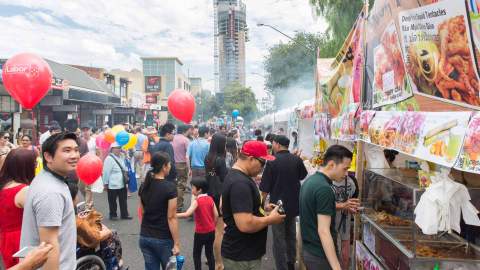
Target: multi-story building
(230, 29)
(196, 85)
(162, 76)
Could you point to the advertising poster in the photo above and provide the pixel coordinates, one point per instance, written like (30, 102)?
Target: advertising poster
(347, 127)
(322, 126)
(442, 137)
(383, 129)
(438, 51)
(469, 159)
(336, 92)
(411, 126)
(385, 70)
(153, 84)
(366, 118)
(364, 260)
(390, 83)
(335, 126)
(474, 8)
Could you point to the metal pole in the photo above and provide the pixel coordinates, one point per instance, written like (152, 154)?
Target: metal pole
(289, 37)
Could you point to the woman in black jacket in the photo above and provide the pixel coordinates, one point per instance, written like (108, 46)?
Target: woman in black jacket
(216, 170)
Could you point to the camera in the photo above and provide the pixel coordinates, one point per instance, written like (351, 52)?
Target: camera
(281, 210)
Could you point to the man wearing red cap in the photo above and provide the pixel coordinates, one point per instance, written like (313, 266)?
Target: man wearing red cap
(245, 238)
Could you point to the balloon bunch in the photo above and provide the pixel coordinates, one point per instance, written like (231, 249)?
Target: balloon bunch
(116, 134)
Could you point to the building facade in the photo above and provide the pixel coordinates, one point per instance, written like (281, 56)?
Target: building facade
(196, 86)
(163, 75)
(231, 33)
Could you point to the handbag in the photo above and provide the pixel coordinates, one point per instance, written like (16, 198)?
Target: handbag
(124, 173)
(214, 183)
(132, 178)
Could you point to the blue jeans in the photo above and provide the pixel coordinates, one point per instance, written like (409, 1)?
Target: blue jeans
(156, 252)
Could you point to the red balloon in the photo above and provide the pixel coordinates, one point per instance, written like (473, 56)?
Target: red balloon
(181, 105)
(89, 168)
(27, 78)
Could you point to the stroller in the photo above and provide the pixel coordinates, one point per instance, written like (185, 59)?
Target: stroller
(97, 255)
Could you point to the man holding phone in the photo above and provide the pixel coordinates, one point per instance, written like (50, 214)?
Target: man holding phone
(34, 259)
(49, 214)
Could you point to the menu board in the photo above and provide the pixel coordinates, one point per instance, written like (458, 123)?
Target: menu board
(438, 51)
(383, 129)
(365, 118)
(364, 260)
(390, 83)
(469, 159)
(442, 137)
(411, 126)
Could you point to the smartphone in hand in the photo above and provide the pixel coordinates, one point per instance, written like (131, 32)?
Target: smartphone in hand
(22, 253)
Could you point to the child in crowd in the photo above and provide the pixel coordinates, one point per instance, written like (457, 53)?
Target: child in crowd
(205, 215)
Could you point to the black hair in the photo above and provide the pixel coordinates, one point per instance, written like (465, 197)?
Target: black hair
(232, 148)
(258, 132)
(2, 133)
(217, 149)
(168, 128)
(200, 184)
(158, 161)
(94, 130)
(390, 155)
(183, 128)
(70, 125)
(336, 153)
(51, 144)
(138, 129)
(270, 137)
(260, 138)
(202, 131)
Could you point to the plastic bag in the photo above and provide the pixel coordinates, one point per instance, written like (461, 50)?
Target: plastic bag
(97, 187)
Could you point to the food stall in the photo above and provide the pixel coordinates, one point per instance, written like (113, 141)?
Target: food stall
(402, 83)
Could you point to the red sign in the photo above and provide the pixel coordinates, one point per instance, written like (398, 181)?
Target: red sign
(151, 99)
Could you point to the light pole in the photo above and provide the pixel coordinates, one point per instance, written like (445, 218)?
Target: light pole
(289, 37)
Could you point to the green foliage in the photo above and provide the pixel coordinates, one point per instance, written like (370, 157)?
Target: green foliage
(340, 16)
(207, 106)
(290, 64)
(240, 98)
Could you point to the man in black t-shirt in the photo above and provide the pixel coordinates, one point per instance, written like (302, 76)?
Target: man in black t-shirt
(281, 179)
(245, 236)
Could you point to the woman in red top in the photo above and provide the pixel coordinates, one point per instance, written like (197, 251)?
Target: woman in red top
(205, 217)
(16, 174)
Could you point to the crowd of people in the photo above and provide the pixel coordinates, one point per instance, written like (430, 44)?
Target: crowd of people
(238, 189)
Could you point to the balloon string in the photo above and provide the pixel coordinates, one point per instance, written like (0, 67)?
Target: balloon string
(34, 132)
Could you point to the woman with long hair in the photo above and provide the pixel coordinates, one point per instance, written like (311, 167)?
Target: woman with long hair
(216, 170)
(232, 152)
(17, 173)
(159, 237)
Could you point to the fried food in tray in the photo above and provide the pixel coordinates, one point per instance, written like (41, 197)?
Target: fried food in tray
(460, 251)
(386, 219)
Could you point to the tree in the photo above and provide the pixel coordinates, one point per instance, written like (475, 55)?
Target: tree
(238, 97)
(207, 106)
(340, 16)
(292, 64)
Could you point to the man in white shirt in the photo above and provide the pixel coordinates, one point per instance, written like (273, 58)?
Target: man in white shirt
(53, 128)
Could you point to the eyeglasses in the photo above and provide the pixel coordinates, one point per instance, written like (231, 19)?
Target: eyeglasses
(261, 160)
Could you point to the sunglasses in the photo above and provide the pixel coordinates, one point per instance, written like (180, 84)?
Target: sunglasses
(261, 160)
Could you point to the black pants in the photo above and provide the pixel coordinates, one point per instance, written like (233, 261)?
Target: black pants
(121, 194)
(200, 240)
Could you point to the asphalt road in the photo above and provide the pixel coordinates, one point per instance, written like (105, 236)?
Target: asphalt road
(129, 233)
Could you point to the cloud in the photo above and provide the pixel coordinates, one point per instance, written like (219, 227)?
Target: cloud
(116, 34)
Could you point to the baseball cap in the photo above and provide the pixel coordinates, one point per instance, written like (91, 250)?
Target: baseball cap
(282, 140)
(115, 145)
(256, 149)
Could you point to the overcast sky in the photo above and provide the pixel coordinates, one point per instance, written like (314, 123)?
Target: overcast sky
(115, 34)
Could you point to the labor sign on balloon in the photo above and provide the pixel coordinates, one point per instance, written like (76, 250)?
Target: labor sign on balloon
(27, 78)
(181, 105)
